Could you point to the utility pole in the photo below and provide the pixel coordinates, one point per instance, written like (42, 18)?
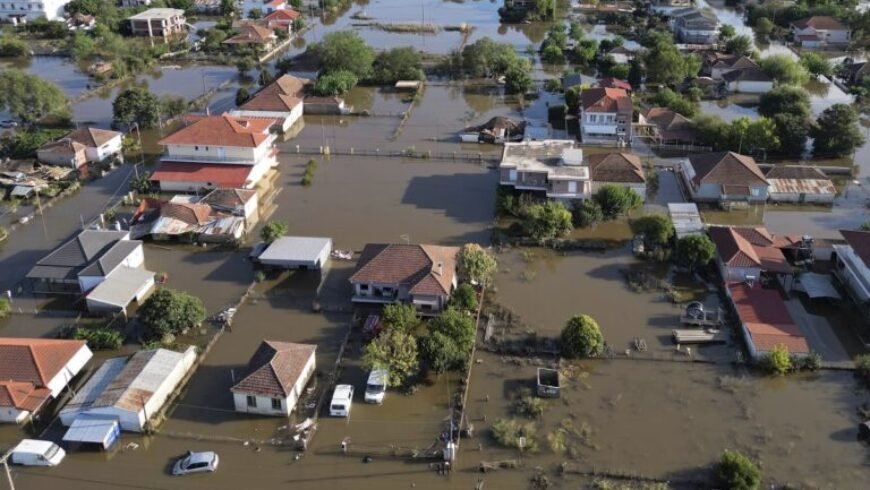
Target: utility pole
(5, 460)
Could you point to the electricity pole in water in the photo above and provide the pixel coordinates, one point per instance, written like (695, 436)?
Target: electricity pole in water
(5, 460)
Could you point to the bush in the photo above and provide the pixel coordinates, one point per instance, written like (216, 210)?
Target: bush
(335, 83)
(507, 433)
(465, 298)
(12, 47)
(616, 200)
(100, 338)
(736, 472)
(656, 229)
(581, 337)
(527, 405)
(475, 264)
(401, 317)
(168, 311)
(695, 251)
(308, 175)
(810, 362)
(395, 351)
(586, 213)
(274, 230)
(5, 305)
(862, 368)
(545, 221)
(777, 361)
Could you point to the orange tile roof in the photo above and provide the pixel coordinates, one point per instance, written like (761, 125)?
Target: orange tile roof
(275, 368)
(22, 396)
(768, 321)
(224, 130)
(252, 34)
(284, 93)
(599, 99)
(221, 175)
(736, 250)
(415, 266)
(35, 361)
(726, 168)
(282, 14)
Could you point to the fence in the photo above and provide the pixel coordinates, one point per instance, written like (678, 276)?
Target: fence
(406, 153)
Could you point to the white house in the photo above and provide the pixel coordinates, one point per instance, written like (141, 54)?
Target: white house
(747, 81)
(18, 11)
(84, 145)
(693, 26)
(132, 391)
(281, 100)
(33, 371)
(297, 252)
(554, 167)
(724, 177)
(852, 264)
(665, 7)
(420, 275)
(820, 31)
(622, 169)
(606, 115)
(82, 263)
(275, 379)
(217, 152)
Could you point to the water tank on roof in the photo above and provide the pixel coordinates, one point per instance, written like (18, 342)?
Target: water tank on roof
(572, 156)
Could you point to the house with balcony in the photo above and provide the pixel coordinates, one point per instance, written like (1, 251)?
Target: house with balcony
(281, 100)
(420, 275)
(217, 152)
(605, 116)
(724, 177)
(852, 264)
(159, 22)
(693, 26)
(820, 31)
(554, 167)
(253, 34)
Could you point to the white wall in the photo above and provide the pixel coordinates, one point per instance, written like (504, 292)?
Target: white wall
(9, 415)
(108, 149)
(288, 403)
(32, 9)
(749, 87)
(72, 368)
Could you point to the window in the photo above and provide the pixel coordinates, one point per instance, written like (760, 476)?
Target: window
(252, 401)
(196, 148)
(363, 287)
(755, 191)
(276, 404)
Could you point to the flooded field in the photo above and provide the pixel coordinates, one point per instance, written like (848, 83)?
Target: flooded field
(670, 420)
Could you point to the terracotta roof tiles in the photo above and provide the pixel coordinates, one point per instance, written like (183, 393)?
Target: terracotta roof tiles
(726, 168)
(616, 167)
(599, 99)
(225, 130)
(275, 368)
(414, 266)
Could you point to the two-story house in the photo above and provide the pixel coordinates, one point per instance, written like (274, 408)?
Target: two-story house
(17, 11)
(605, 115)
(693, 26)
(281, 100)
(665, 7)
(554, 167)
(217, 152)
(158, 22)
(819, 31)
(724, 177)
(420, 275)
(852, 264)
(84, 145)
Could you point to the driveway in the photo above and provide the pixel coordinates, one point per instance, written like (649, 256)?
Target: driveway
(818, 332)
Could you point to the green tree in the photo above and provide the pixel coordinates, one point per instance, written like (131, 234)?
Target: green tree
(30, 98)
(616, 200)
(255, 13)
(274, 230)
(168, 311)
(764, 27)
(465, 298)
(335, 83)
(836, 131)
(442, 353)
(753, 135)
(585, 51)
(785, 99)
(13, 47)
(726, 32)
(792, 132)
(862, 368)
(475, 264)
(817, 64)
(397, 64)
(694, 251)
(344, 51)
(665, 64)
(656, 229)
(576, 32)
(487, 58)
(586, 213)
(141, 184)
(136, 106)
(675, 102)
(451, 337)
(400, 316)
(242, 96)
(5, 305)
(737, 472)
(548, 220)
(395, 351)
(777, 361)
(25, 143)
(635, 74)
(550, 53)
(517, 78)
(228, 7)
(740, 45)
(572, 97)
(785, 70)
(581, 337)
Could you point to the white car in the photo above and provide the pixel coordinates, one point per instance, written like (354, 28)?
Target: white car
(34, 452)
(342, 400)
(376, 386)
(200, 462)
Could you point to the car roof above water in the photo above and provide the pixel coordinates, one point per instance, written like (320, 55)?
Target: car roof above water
(202, 457)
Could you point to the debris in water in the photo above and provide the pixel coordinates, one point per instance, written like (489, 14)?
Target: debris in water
(367, 459)
(132, 446)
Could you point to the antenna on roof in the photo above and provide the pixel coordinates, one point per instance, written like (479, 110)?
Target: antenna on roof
(406, 238)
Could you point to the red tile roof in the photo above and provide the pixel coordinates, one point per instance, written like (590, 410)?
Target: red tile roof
(598, 99)
(726, 168)
(282, 14)
(860, 243)
(275, 368)
(192, 214)
(735, 250)
(252, 34)
(616, 167)
(768, 321)
(23, 396)
(35, 361)
(221, 175)
(414, 266)
(611, 82)
(283, 94)
(820, 22)
(225, 130)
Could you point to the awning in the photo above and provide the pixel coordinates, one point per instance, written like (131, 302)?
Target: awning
(816, 286)
(93, 429)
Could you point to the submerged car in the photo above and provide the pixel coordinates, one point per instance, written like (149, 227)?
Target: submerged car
(196, 462)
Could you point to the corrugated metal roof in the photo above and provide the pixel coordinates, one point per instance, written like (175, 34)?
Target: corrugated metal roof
(801, 186)
(686, 218)
(88, 394)
(295, 248)
(141, 377)
(121, 286)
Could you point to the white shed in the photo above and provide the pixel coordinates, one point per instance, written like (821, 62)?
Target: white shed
(296, 252)
(119, 289)
(134, 393)
(686, 218)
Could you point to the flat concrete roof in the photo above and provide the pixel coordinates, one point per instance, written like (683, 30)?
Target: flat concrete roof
(296, 248)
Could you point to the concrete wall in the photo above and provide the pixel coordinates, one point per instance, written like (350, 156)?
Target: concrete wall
(111, 147)
(640, 189)
(799, 197)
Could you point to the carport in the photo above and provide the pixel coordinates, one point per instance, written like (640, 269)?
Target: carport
(92, 429)
(816, 286)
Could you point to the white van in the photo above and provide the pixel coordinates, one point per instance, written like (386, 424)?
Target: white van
(342, 398)
(376, 386)
(33, 452)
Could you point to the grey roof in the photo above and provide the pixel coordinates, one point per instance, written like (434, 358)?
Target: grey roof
(686, 218)
(88, 394)
(113, 256)
(296, 248)
(91, 428)
(67, 260)
(747, 75)
(121, 286)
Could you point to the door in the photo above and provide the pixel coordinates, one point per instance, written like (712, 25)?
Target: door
(572, 187)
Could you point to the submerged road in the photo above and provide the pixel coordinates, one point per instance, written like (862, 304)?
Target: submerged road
(30, 242)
